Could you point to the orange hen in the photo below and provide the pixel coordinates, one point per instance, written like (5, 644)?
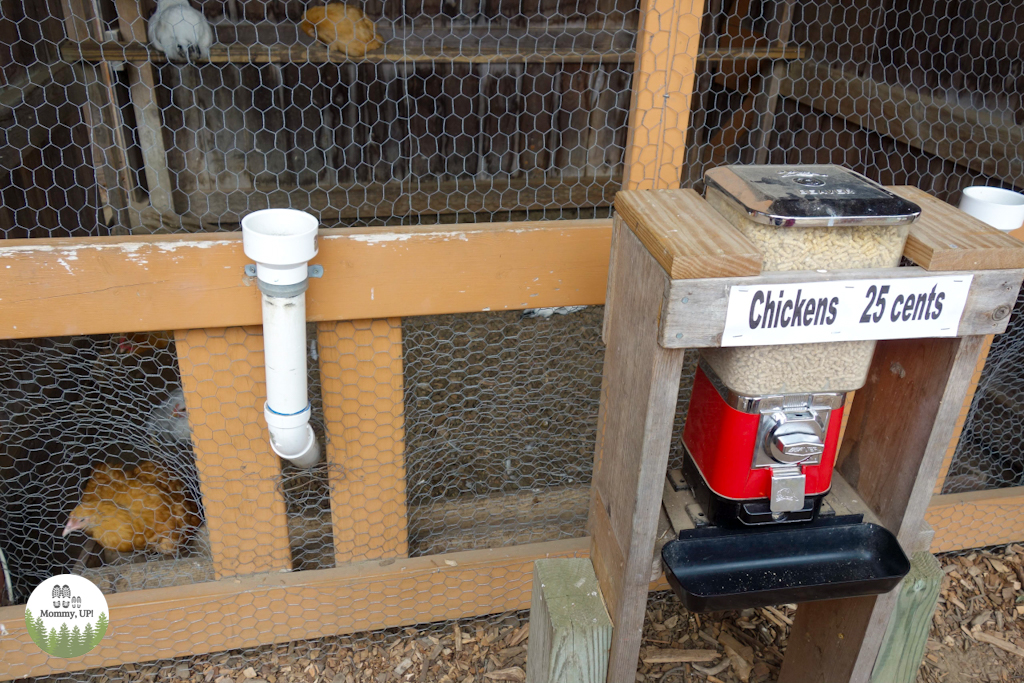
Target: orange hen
(344, 28)
(137, 507)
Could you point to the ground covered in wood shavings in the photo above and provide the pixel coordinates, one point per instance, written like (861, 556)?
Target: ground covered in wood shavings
(976, 635)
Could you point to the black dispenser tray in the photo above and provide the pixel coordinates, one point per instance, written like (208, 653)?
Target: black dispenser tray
(713, 569)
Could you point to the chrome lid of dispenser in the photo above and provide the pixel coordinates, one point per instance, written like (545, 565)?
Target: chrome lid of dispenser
(809, 196)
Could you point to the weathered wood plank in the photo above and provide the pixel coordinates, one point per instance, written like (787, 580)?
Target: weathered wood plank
(142, 82)
(686, 235)
(211, 205)
(903, 647)
(158, 282)
(224, 380)
(945, 238)
(570, 632)
(136, 52)
(639, 390)
(361, 380)
(695, 310)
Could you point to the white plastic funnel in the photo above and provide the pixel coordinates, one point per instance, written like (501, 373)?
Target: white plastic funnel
(281, 242)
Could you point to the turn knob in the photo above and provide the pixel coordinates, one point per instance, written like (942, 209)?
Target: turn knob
(795, 438)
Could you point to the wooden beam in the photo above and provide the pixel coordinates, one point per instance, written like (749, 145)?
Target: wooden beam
(976, 519)
(969, 137)
(224, 380)
(903, 646)
(899, 430)
(103, 117)
(142, 81)
(686, 235)
(140, 52)
(945, 238)
(54, 287)
(158, 282)
(694, 310)
(639, 391)
(570, 632)
(361, 379)
(278, 607)
(779, 31)
(211, 207)
(667, 47)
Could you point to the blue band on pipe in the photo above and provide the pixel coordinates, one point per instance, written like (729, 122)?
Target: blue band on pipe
(309, 406)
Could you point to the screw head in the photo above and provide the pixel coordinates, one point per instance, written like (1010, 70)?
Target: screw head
(686, 299)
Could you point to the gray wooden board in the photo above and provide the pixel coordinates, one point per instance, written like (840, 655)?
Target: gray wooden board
(699, 322)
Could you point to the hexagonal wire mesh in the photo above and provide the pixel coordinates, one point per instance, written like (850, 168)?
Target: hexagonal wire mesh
(469, 111)
(989, 454)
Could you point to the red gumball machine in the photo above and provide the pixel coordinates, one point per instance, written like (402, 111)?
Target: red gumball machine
(764, 420)
(759, 459)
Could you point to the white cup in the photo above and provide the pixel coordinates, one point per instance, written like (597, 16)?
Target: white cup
(1002, 209)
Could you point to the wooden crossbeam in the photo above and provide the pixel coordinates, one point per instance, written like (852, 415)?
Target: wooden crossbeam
(136, 52)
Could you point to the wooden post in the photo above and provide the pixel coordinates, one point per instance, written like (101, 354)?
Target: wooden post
(147, 112)
(640, 388)
(225, 387)
(103, 116)
(570, 632)
(638, 397)
(361, 378)
(893, 462)
(768, 102)
(666, 64)
(903, 646)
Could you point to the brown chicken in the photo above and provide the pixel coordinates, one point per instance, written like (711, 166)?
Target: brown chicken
(135, 507)
(343, 28)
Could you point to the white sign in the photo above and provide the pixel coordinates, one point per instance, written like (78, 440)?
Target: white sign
(845, 310)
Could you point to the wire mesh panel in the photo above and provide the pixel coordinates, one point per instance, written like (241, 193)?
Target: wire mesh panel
(989, 454)
(920, 93)
(489, 444)
(371, 113)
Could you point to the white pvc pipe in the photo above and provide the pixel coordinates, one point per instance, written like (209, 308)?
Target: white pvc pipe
(282, 241)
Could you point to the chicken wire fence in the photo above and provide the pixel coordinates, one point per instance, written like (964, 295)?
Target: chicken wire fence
(467, 111)
(990, 453)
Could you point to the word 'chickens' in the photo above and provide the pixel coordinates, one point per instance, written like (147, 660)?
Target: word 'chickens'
(343, 28)
(134, 508)
(179, 31)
